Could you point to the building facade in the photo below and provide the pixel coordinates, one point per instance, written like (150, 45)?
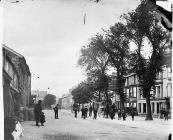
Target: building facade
(161, 95)
(132, 90)
(16, 82)
(66, 101)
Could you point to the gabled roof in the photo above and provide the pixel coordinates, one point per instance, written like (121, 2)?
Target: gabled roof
(11, 50)
(22, 60)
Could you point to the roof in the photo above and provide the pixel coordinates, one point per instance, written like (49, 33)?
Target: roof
(131, 74)
(66, 96)
(21, 58)
(11, 50)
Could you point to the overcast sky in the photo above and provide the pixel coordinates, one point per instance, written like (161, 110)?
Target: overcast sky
(50, 33)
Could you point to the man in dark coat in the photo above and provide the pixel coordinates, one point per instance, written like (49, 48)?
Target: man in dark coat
(112, 111)
(124, 115)
(75, 108)
(37, 112)
(166, 114)
(132, 114)
(56, 111)
(90, 110)
(86, 112)
(95, 113)
(119, 115)
(83, 112)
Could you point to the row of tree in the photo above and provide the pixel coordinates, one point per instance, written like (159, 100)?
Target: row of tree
(112, 49)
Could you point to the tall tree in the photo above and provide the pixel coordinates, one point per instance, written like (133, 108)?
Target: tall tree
(95, 63)
(142, 25)
(117, 49)
(82, 93)
(49, 100)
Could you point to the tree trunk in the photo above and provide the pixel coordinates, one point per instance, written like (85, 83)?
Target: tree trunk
(149, 114)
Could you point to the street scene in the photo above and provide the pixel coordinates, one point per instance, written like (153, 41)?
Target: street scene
(87, 69)
(69, 127)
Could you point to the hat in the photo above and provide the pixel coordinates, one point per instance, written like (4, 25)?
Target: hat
(39, 101)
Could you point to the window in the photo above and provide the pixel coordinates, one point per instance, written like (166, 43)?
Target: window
(153, 107)
(131, 80)
(134, 105)
(157, 90)
(127, 91)
(139, 108)
(134, 91)
(140, 93)
(131, 92)
(6, 66)
(158, 108)
(144, 107)
(127, 80)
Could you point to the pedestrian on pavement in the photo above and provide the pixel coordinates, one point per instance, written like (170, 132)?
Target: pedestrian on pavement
(124, 115)
(75, 108)
(112, 111)
(107, 110)
(42, 119)
(132, 114)
(37, 112)
(90, 110)
(56, 111)
(166, 114)
(95, 113)
(83, 112)
(86, 112)
(119, 115)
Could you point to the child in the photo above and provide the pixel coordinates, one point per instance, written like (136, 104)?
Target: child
(42, 118)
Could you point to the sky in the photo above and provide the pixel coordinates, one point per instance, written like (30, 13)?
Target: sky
(50, 34)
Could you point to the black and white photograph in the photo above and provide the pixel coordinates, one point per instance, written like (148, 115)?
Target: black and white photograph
(86, 69)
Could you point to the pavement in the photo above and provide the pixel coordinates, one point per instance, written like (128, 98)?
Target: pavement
(69, 128)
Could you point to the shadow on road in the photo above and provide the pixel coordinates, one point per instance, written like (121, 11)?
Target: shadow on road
(63, 137)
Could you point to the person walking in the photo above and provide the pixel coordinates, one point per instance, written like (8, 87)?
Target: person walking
(132, 114)
(75, 109)
(166, 114)
(124, 115)
(83, 112)
(90, 110)
(119, 115)
(112, 111)
(95, 113)
(56, 111)
(86, 112)
(37, 112)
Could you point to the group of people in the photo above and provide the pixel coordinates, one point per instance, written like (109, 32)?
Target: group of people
(85, 110)
(108, 112)
(123, 114)
(164, 113)
(39, 114)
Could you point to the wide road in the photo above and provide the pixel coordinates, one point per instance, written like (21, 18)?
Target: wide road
(69, 128)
